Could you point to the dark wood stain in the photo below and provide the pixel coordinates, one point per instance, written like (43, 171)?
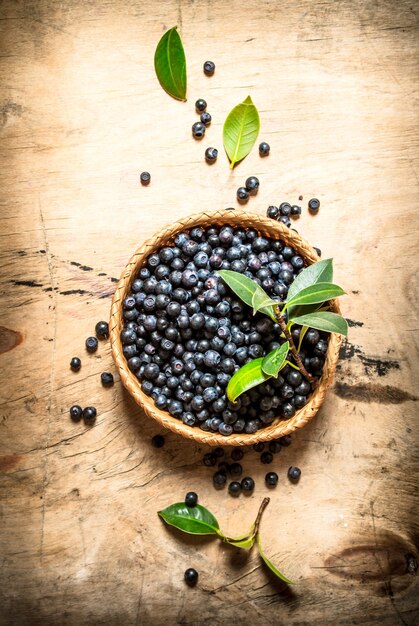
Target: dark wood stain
(26, 283)
(70, 292)
(9, 339)
(8, 461)
(354, 323)
(372, 365)
(85, 268)
(372, 392)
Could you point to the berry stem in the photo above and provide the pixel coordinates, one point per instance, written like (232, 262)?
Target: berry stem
(293, 349)
(262, 507)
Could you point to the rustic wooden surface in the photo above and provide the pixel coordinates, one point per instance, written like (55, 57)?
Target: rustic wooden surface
(81, 116)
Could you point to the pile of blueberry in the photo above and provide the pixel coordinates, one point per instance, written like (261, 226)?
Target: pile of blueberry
(185, 333)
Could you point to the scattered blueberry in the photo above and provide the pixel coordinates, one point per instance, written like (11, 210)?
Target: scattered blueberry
(235, 469)
(145, 178)
(247, 484)
(219, 479)
(234, 488)
(272, 212)
(295, 210)
(237, 454)
(266, 457)
(89, 414)
(259, 446)
(191, 499)
(210, 459)
(106, 379)
(102, 330)
(157, 441)
(198, 130)
(274, 446)
(294, 473)
(211, 155)
(285, 209)
(264, 148)
(313, 205)
(200, 105)
(205, 118)
(242, 194)
(191, 576)
(252, 184)
(218, 452)
(209, 68)
(91, 344)
(76, 413)
(271, 479)
(286, 440)
(75, 363)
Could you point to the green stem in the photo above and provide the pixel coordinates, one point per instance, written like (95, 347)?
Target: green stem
(283, 327)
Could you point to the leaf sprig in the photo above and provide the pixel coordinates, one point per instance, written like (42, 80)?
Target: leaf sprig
(198, 520)
(170, 64)
(307, 304)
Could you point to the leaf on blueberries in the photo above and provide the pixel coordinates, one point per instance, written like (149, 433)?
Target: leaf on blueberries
(274, 361)
(248, 376)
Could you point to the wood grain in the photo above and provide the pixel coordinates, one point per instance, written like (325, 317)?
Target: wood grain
(81, 115)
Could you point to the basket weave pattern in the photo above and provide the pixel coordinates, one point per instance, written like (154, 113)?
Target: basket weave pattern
(266, 227)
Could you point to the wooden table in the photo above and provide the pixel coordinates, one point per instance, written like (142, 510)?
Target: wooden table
(82, 115)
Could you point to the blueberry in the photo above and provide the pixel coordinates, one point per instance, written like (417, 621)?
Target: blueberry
(303, 388)
(75, 363)
(234, 488)
(242, 194)
(285, 209)
(225, 429)
(320, 348)
(266, 457)
(102, 330)
(151, 370)
(173, 309)
(252, 184)
(205, 118)
(91, 344)
(218, 452)
(211, 155)
(191, 576)
(89, 414)
(76, 413)
(294, 378)
(294, 473)
(209, 68)
(145, 178)
(247, 484)
(272, 212)
(285, 220)
(212, 358)
(299, 401)
(198, 130)
(260, 244)
(274, 446)
(210, 394)
(237, 454)
(197, 321)
(147, 387)
(287, 410)
(259, 446)
(271, 479)
(264, 148)
(137, 285)
(200, 105)
(191, 499)
(161, 401)
(209, 459)
(226, 235)
(313, 205)
(219, 479)
(285, 441)
(295, 210)
(106, 379)
(235, 469)
(189, 418)
(297, 262)
(251, 427)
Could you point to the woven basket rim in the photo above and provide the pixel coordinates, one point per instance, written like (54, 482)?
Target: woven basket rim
(234, 217)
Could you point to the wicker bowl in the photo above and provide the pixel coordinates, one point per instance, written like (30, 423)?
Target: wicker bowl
(264, 226)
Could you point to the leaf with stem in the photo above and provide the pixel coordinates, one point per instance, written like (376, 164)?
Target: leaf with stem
(170, 64)
(324, 320)
(274, 361)
(261, 300)
(271, 566)
(320, 292)
(320, 272)
(247, 377)
(195, 520)
(245, 288)
(240, 131)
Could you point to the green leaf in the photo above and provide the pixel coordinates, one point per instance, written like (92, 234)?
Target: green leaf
(271, 565)
(320, 272)
(261, 300)
(240, 131)
(319, 292)
(324, 320)
(274, 361)
(195, 520)
(245, 288)
(245, 544)
(170, 64)
(248, 376)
